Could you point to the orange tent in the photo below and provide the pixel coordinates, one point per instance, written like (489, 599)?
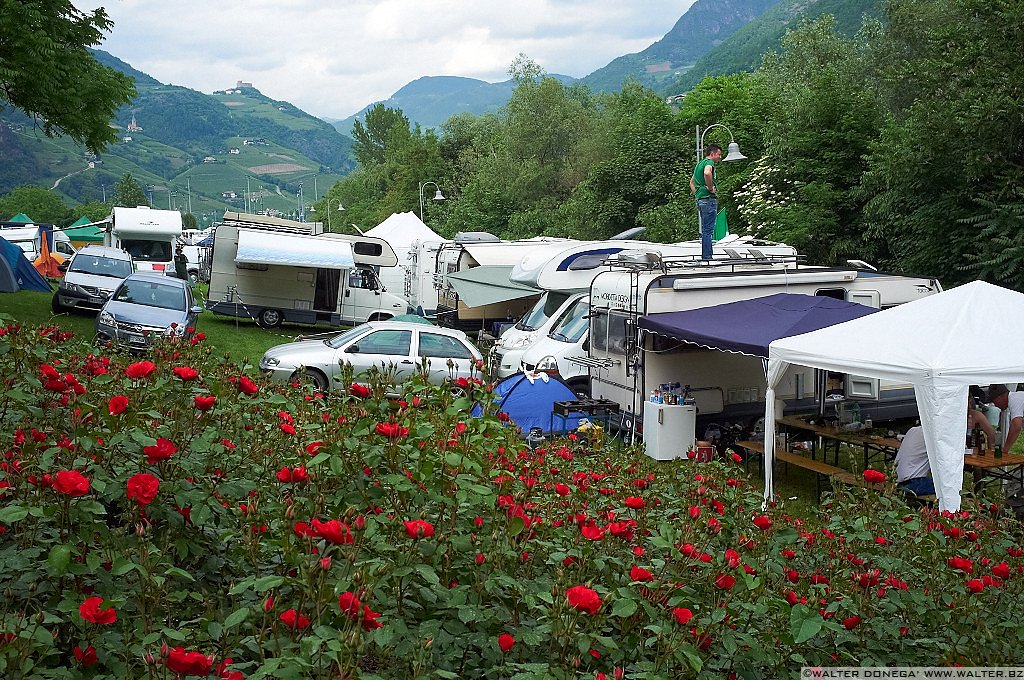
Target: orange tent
(46, 264)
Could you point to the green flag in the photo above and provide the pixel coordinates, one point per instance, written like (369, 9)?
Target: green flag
(721, 226)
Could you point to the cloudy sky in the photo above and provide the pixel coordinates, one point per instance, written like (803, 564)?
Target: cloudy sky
(333, 57)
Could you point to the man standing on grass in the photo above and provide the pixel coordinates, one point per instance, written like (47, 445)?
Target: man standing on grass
(702, 184)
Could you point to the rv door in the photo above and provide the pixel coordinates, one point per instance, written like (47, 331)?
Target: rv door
(360, 295)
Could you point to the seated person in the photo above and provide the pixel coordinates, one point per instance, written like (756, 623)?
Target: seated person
(912, 470)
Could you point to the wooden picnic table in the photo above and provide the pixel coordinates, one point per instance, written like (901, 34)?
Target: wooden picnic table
(986, 469)
(873, 445)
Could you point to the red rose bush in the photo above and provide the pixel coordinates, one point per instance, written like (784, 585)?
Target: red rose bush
(156, 520)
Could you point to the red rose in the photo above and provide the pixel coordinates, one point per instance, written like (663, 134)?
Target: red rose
(71, 483)
(140, 369)
(370, 617)
(349, 604)
(737, 458)
(188, 663)
(296, 474)
(204, 403)
(851, 622)
(91, 612)
(682, 615)
(505, 642)
(313, 448)
(725, 581)
(86, 657)
(975, 585)
(419, 528)
(640, 574)
(582, 598)
(635, 502)
(162, 450)
(874, 477)
(333, 531)
(286, 428)
(117, 405)
(1002, 570)
(186, 373)
(562, 490)
(391, 430)
(247, 386)
(143, 487)
(357, 390)
(961, 564)
(592, 532)
(295, 620)
(763, 522)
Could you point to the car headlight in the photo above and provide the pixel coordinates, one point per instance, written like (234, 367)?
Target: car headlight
(548, 364)
(269, 362)
(70, 288)
(106, 318)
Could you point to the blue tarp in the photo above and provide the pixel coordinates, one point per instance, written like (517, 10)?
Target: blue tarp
(16, 272)
(529, 404)
(749, 326)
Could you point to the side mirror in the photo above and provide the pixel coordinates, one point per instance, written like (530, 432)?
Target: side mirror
(196, 309)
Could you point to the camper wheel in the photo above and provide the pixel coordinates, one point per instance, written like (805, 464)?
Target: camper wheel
(581, 387)
(269, 318)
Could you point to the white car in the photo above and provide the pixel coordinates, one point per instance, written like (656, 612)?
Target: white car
(449, 354)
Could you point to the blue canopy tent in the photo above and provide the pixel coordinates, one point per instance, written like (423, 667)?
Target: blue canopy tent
(529, 402)
(749, 326)
(16, 272)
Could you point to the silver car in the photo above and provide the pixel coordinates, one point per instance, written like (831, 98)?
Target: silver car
(376, 344)
(94, 273)
(146, 306)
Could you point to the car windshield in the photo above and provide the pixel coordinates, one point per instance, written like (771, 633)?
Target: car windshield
(151, 294)
(547, 305)
(574, 323)
(340, 339)
(101, 266)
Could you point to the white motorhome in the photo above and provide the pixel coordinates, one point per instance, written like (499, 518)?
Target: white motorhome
(727, 387)
(28, 237)
(147, 234)
(493, 260)
(567, 274)
(274, 270)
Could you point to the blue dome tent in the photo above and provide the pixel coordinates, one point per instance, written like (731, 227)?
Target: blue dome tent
(16, 272)
(529, 401)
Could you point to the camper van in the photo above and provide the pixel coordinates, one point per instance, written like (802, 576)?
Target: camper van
(28, 237)
(147, 234)
(478, 261)
(274, 270)
(727, 387)
(566, 275)
(416, 246)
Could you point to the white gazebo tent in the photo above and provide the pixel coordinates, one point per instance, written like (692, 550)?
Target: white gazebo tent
(941, 344)
(411, 240)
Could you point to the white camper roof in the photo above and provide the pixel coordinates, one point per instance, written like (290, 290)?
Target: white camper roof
(293, 250)
(511, 252)
(146, 221)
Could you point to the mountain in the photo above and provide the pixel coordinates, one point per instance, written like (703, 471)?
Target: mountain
(431, 100)
(705, 26)
(744, 49)
(184, 145)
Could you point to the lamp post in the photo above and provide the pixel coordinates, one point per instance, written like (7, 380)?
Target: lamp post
(341, 208)
(437, 196)
(734, 148)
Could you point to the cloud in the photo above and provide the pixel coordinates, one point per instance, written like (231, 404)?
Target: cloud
(333, 58)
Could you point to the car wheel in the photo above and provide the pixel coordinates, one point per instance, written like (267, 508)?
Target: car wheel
(56, 306)
(269, 318)
(313, 377)
(580, 387)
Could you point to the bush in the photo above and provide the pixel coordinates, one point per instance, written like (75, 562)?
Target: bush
(171, 514)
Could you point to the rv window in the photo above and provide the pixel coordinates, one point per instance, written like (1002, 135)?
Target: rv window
(442, 346)
(609, 331)
(145, 250)
(371, 249)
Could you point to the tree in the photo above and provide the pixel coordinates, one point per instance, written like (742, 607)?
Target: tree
(188, 221)
(128, 193)
(46, 70)
(383, 126)
(94, 211)
(42, 205)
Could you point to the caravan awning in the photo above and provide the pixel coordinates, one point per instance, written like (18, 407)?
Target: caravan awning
(293, 250)
(488, 284)
(749, 326)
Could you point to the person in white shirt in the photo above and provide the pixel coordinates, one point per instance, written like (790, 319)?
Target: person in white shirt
(1013, 404)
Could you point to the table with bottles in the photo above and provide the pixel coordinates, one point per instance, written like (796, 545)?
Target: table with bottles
(874, 445)
(987, 468)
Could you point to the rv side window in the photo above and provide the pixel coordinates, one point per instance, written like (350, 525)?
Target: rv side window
(609, 332)
(144, 250)
(371, 249)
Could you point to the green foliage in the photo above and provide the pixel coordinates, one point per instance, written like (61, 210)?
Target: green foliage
(128, 193)
(42, 205)
(93, 210)
(383, 127)
(46, 70)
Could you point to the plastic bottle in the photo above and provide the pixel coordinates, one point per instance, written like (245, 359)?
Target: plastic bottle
(999, 451)
(855, 412)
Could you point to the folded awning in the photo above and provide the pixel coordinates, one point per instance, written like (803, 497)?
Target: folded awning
(292, 250)
(488, 284)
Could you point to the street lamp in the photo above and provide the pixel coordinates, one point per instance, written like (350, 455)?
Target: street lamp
(734, 148)
(437, 196)
(341, 208)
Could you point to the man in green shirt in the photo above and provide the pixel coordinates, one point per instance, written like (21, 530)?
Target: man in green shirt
(702, 184)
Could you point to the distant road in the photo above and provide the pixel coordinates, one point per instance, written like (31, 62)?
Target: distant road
(61, 179)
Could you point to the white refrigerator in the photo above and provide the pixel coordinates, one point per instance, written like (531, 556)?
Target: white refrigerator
(669, 429)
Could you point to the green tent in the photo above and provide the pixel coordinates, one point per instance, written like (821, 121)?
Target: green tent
(21, 218)
(84, 231)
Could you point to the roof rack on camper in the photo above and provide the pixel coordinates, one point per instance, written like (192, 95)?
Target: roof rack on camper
(644, 260)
